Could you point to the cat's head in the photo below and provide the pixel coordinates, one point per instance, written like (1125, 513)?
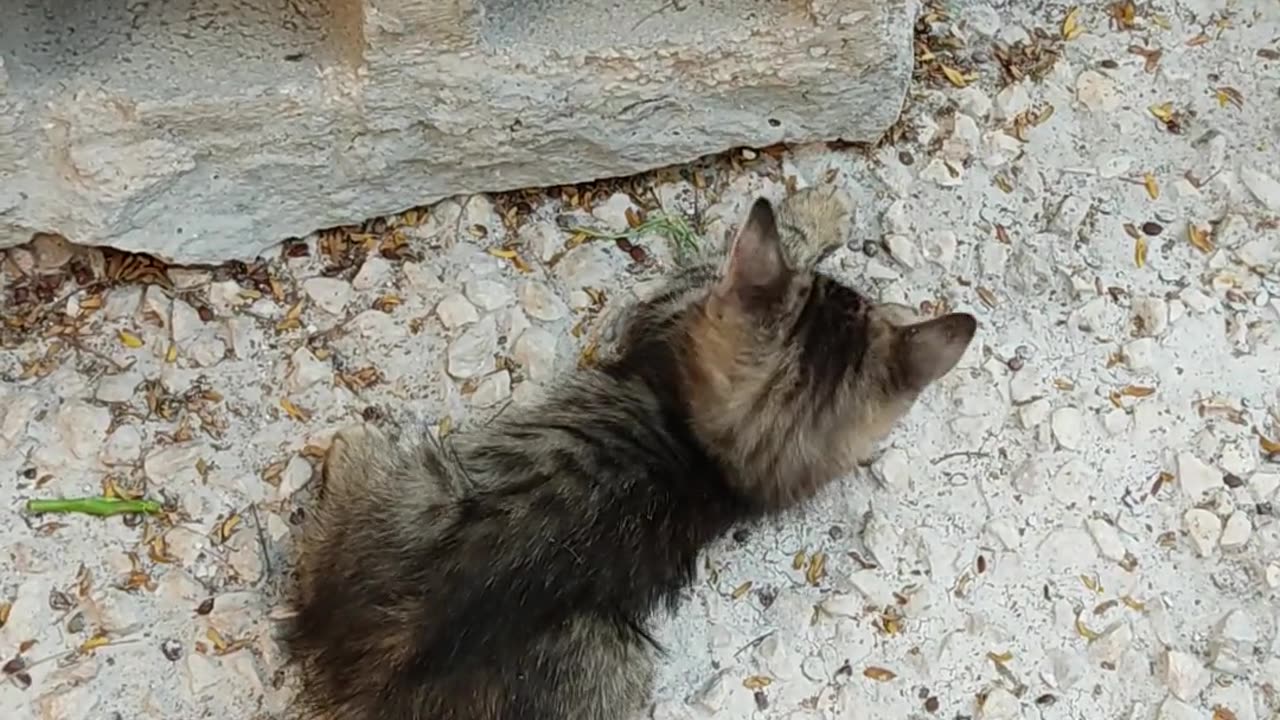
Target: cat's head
(791, 378)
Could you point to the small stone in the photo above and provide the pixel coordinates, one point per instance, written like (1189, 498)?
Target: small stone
(1204, 528)
(119, 387)
(329, 294)
(51, 251)
(1237, 531)
(1238, 457)
(82, 428)
(1005, 533)
(903, 250)
(471, 354)
(1234, 643)
(1097, 92)
(1263, 187)
(1174, 709)
(893, 469)
(295, 476)
(1068, 427)
(493, 389)
(939, 248)
(812, 668)
(1000, 705)
(421, 279)
(1062, 669)
(1198, 301)
(1150, 315)
(1112, 643)
(173, 462)
(200, 672)
(992, 258)
(881, 539)
(1012, 100)
(305, 370)
(943, 173)
(123, 446)
(1112, 167)
(544, 239)
(1152, 228)
(1196, 477)
(613, 212)
(1140, 354)
(1107, 538)
(540, 302)
(1262, 486)
(455, 311)
(373, 273)
(171, 649)
(535, 351)
(489, 295)
(1183, 674)
(1272, 575)
(974, 102)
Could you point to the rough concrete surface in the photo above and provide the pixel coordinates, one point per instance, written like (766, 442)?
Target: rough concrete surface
(1080, 522)
(208, 131)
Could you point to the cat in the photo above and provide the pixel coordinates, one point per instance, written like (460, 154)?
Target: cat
(510, 572)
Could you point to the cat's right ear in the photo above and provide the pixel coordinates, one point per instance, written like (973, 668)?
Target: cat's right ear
(928, 350)
(755, 270)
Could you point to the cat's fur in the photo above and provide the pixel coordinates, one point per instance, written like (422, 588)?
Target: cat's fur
(510, 573)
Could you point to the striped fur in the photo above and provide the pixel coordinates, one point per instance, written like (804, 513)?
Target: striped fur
(510, 573)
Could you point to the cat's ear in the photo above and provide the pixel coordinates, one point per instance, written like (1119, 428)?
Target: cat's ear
(926, 351)
(756, 268)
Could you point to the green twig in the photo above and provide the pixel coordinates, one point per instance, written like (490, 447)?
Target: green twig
(100, 506)
(672, 227)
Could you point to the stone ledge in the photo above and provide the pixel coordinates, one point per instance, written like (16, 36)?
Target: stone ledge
(202, 132)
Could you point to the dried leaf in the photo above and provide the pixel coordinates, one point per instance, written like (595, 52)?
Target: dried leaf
(1149, 182)
(1124, 13)
(1089, 582)
(1071, 24)
(1200, 238)
(1132, 604)
(98, 640)
(1268, 445)
(1198, 40)
(171, 355)
(5, 609)
(503, 253)
(741, 590)
(798, 561)
(228, 526)
(1137, 391)
(987, 297)
(1222, 713)
(1229, 96)
(879, 674)
(954, 76)
(130, 340)
(1001, 658)
(817, 568)
(293, 411)
(1162, 111)
(219, 643)
(1083, 630)
(757, 682)
(1140, 252)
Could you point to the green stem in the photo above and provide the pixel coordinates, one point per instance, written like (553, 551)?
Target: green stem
(99, 506)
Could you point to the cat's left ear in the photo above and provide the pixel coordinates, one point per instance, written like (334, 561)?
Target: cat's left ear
(756, 268)
(926, 351)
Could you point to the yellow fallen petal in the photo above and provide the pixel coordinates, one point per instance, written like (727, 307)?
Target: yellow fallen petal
(130, 340)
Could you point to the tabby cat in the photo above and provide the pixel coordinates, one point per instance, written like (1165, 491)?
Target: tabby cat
(510, 573)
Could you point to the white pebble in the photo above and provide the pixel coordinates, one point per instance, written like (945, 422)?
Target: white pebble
(613, 212)
(1068, 427)
(1012, 100)
(329, 294)
(939, 248)
(305, 370)
(1097, 92)
(118, 387)
(1174, 709)
(1196, 477)
(1150, 315)
(456, 311)
(1112, 643)
(541, 302)
(373, 273)
(493, 389)
(1204, 528)
(942, 173)
(1237, 532)
(82, 428)
(1000, 705)
(471, 353)
(881, 539)
(1263, 485)
(1233, 643)
(1239, 457)
(173, 463)
(489, 295)
(1197, 300)
(123, 446)
(903, 250)
(1183, 674)
(1140, 354)
(893, 469)
(1107, 538)
(1034, 413)
(535, 351)
(1263, 187)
